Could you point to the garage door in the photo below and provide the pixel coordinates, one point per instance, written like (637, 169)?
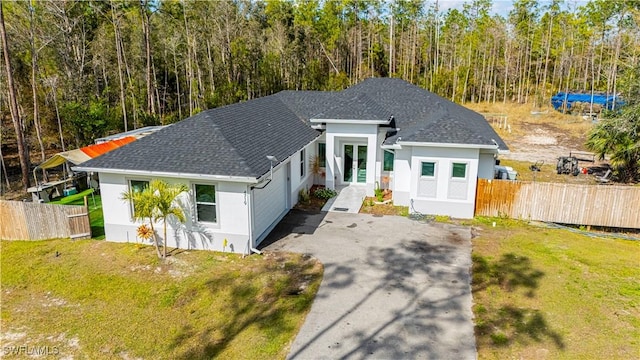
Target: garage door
(269, 204)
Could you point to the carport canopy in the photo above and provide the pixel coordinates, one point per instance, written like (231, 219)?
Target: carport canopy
(78, 156)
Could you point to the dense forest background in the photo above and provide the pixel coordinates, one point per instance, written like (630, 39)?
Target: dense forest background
(85, 69)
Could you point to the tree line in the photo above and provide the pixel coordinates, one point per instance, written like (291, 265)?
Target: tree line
(77, 70)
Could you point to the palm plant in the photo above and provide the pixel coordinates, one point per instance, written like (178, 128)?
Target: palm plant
(619, 137)
(157, 202)
(165, 207)
(143, 209)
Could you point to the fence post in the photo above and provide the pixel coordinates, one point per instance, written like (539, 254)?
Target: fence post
(86, 209)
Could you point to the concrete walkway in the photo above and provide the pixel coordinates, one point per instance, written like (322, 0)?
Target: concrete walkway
(393, 288)
(349, 200)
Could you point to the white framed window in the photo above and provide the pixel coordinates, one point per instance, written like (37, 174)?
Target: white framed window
(428, 169)
(459, 170)
(388, 157)
(136, 186)
(206, 205)
(458, 180)
(303, 163)
(322, 154)
(428, 182)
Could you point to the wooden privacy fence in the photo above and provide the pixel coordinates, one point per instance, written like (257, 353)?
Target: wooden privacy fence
(34, 221)
(596, 205)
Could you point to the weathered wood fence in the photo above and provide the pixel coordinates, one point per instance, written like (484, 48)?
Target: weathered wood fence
(34, 221)
(596, 205)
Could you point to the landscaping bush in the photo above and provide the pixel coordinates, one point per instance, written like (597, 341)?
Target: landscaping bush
(303, 196)
(324, 193)
(379, 194)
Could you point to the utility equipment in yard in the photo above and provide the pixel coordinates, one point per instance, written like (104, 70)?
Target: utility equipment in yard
(505, 173)
(568, 165)
(537, 166)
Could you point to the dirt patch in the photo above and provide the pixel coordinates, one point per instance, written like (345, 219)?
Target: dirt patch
(370, 205)
(543, 142)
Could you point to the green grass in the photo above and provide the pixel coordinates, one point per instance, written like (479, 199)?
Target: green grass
(96, 217)
(96, 299)
(552, 293)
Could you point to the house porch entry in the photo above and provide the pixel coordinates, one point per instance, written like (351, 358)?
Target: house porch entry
(354, 163)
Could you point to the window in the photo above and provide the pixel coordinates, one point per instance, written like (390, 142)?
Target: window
(459, 170)
(388, 160)
(459, 183)
(136, 187)
(205, 196)
(427, 182)
(303, 161)
(428, 169)
(322, 154)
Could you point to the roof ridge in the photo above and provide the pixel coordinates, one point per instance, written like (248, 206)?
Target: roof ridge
(353, 103)
(230, 147)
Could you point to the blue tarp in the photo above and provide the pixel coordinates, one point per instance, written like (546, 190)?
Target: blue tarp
(606, 101)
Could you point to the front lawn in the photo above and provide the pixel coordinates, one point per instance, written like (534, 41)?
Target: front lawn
(544, 293)
(95, 299)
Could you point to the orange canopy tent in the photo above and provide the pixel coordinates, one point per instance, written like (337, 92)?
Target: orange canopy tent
(43, 191)
(78, 156)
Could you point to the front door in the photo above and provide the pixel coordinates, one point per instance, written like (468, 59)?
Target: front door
(355, 164)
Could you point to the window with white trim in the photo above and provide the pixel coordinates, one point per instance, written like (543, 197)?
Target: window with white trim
(322, 154)
(428, 183)
(387, 163)
(459, 170)
(458, 181)
(136, 187)
(205, 201)
(303, 163)
(428, 168)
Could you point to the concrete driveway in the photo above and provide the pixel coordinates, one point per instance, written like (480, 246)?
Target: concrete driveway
(393, 288)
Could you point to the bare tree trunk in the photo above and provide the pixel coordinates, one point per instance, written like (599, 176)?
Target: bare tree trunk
(614, 68)
(466, 77)
(546, 60)
(528, 71)
(188, 68)
(34, 88)
(123, 100)
(4, 168)
(177, 73)
(13, 105)
(212, 83)
(507, 60)
(391, 54)
(144, 15)
(53, 84)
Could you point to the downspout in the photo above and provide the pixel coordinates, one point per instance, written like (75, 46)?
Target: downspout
(248, 200)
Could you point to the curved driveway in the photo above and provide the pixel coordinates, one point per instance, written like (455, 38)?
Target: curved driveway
(393, 288)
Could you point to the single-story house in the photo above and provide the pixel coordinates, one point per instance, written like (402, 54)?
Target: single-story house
(245, 163)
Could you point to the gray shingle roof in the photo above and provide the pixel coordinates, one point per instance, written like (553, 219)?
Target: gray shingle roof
(355, 107)
(234, 140)
(423, 116)
(306, 104)
(231, 141)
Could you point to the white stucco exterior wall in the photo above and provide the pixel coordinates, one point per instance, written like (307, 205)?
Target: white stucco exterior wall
(447, 196)
(233, 202)
(486, 165)
(337, 135)
(232, 215)
(402, 177)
